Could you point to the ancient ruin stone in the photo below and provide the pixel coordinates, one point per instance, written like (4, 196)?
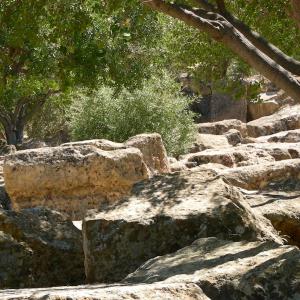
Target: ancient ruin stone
(222, 127)
(163, 215)
(6, 149)
(153, 150)
(231, 157)
(151, 146)
(262, 109)
(209, 141)
(229, 270)
(218, 107)
(260, 175)
(99, 143)
(289, 136)
(158, 291)
(288, 118)
(71, 179)
(279, 151)
(280, 203)
(39, 248)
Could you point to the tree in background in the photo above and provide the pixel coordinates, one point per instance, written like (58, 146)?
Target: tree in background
(215, 19)
(51, 47)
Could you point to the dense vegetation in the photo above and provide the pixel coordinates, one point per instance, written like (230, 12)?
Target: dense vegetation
(96, 69)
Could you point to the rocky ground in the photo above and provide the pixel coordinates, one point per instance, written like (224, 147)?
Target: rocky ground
(220, 222)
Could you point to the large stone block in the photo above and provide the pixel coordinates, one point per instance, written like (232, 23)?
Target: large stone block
(229, 270)
(150, 144)
(288, 118)
(39, 248)
(71, 179)
(177, 291)
(260, 175)
(163, 215)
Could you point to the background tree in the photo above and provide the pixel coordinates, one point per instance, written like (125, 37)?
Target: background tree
(215, 19)
(51, 47)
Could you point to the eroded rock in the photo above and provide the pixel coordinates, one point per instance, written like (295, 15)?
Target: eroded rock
(153, 150)
(71, 179)
(209, 141)
(229, 270)
(222, 127)
(151, 146)
(231, 157)
(288, 118)
(260, 175)
(39, 248)
(158, 291)
(289, 136)
(280, 203)
(163, 215)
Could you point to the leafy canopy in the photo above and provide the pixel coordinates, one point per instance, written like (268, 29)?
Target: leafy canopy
(60, 44)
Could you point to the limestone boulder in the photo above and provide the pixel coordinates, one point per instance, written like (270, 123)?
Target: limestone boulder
(151, 146)
(5, 202)
(153, 150)
(287, 118)
(221, 127)
(71, 179)
(229, 270)
(234, 137)
(262, 109)
(209, 141)
(6, 149)
(158, 291)
(39, 248)
(231, 157)
(99, 143)
(279, 151)
(165, 214)
(289, 136)
(260, 175)
(280, 203)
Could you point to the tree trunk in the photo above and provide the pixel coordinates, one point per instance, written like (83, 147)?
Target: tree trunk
(14, 133)
(223, 31)
(10, 134)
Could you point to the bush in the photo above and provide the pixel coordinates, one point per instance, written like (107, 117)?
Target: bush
(157, 107)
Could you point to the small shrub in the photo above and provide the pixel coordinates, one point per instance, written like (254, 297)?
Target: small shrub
(157, 107)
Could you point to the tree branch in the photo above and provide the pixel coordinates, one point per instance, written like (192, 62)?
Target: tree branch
(223, 31)
(287, 62)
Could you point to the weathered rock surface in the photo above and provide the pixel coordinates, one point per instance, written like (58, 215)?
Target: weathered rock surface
(222, 127)
(288, 118)
(158, 291)
(39, 248)
(289, 136)
(214, 107)
(209, 141)
(262, 109)
(153, 150)
(259, 176)
(280, 203)
(229, 270)
(163, 215)
(231, 157)
(99, 143)
(4, 199)
(279, 151)
(151, 146)
(71, 179)
(6, 149)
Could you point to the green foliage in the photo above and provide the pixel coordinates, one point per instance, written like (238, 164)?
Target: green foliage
(156, 107)
(56, 46)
